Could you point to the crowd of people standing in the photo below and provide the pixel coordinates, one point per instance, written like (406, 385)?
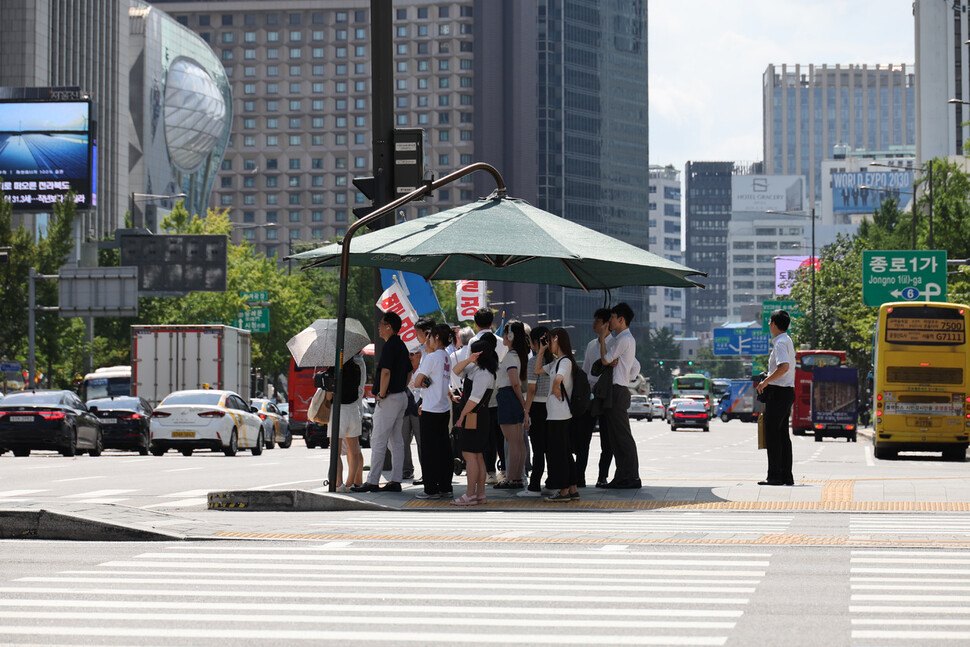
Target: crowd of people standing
(499, 408)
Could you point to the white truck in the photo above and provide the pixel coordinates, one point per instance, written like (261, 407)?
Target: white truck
(172, 358)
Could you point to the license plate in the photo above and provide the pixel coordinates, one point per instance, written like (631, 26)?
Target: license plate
(183, 434)
(109, 421)
(923, 422)
(21, 418)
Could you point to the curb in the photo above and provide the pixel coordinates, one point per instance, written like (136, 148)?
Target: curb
(289, 501)
(48, 524)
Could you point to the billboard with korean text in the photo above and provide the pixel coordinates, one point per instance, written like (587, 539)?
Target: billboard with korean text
(45, 152)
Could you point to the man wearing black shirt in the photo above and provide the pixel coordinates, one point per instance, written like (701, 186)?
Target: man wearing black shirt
(393, 375)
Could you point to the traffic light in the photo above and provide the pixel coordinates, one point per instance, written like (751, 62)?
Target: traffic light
(367, 186)
(690, 362)
(661, 362)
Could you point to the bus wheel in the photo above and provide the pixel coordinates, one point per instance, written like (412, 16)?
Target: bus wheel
(725, 417)
(885, 454)
(958, 454)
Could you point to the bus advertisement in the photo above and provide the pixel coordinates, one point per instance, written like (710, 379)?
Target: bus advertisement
(695, 385)
(920, 387)
(805, 363)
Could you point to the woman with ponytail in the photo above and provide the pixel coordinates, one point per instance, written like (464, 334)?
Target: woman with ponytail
(562, 467)
(511, 402)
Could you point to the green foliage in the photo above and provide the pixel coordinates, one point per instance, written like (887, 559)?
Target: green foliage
(660, 345)
(726, 367)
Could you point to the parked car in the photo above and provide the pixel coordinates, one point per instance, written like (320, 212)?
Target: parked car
(690, 413)
(275, 427)
(640, 408)
(657, 407)
(673, 407)
(125, 422)
(205, 419)
(48, 419)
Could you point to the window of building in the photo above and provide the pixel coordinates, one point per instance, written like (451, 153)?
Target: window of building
(296, 36)
(249, 123)
(294, 198)
(422, 13)
(249, 165)
(249, 140)
(249, 70)
(225, 200)
(360, 162)
(295, 140)
(272, 105)
(226, 182)
(272, 53)
(272, 181)
(295, 105)
(294, 215)
(316, 122)
(249, 198)
(227, 36)
(272, 37)
(271, 163)
(204, 20)
(249, 182)
(227, 54)
(296, 87)
(272, 88)
(272, 140)
(295, 19)
(295, 52)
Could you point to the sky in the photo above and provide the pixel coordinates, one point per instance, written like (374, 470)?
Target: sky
(707, 59)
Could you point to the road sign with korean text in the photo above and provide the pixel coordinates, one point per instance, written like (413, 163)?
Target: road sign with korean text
(254, 320)
(901, 275)
(741, 341)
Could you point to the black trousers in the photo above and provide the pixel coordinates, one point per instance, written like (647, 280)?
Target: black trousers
(581, 433)
(562, 468)
(496, 444)
(436, 458)
(606, 452)
(621, 438)
(779, 400)
(537, 438)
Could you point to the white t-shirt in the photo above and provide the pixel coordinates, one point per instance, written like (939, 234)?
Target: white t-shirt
(437, 367)
(557, 409)
(481, 382)
(624, 349)
(782, 352)
(502, 378)
(471, 370)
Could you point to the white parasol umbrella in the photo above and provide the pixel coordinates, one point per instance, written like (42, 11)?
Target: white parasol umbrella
(315, 345)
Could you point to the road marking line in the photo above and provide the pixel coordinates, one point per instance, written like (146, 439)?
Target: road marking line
(897, 609)
(183, 469)
(878, 597)
(912, 635)
(79, 478)
(333, 636)
(384, 608)
(870, 458)
(320, 550)
(96, 494)
(378, 595)
(18, 493)
(184, 503)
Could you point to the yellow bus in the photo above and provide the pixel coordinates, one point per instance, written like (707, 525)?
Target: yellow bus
(920, 382)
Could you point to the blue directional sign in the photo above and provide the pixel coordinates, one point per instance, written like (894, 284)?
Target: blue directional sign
(741, 341)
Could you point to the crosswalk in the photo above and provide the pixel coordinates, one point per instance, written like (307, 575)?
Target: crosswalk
(910, 597)
(497, 524)
(401, 594)
(875, 526)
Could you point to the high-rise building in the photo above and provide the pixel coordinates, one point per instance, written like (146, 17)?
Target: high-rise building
(811, 109)
(161, 98)
(666, 304)
(942, 73)
(551, 92)
(707, 187)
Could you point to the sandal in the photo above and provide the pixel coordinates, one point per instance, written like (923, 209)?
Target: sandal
(481, 499)
(465, 500)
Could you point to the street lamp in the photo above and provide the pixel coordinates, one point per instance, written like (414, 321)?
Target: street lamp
(814, 260)
(147, 197)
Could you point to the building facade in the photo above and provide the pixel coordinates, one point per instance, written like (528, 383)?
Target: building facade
(666, 304)
(942, 74)
(553, 93)
(810, 109)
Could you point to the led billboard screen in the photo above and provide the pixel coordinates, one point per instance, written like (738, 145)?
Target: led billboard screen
(864, 192)
(45, 151)
(760, 193)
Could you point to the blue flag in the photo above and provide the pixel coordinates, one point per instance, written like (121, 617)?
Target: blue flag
(419, 289)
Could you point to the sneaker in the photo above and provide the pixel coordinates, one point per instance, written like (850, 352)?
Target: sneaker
(425, 495)
(547, 492)
(343, 488)
(528, 494)
(391, 486)
(490, 479)
(574, 496)
(501, 475)
(559, 498)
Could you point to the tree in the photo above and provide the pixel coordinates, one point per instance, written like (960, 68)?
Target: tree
(658, 357)
(725, 367)
(13, 284)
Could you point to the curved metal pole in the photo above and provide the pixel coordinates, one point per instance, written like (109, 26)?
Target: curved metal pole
(342, 298)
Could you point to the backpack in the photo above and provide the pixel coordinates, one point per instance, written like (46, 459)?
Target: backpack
(579, 400)
(351, 382)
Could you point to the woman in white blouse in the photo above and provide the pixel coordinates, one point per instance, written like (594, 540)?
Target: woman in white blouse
(561, 466)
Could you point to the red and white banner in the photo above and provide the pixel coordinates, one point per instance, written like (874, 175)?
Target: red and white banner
(471, 295)
(395, 300)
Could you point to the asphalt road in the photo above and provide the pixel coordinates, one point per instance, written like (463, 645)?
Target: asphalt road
(724, 457)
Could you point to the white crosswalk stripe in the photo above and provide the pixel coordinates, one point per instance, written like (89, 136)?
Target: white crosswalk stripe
(359, 593)
(906, 597)
(874, 525)
(498, 524)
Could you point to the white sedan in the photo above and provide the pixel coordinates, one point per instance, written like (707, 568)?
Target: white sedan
(205, 419)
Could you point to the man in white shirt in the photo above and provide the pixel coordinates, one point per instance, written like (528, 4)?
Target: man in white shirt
(621, 356)
(779, 391)
(601, 320)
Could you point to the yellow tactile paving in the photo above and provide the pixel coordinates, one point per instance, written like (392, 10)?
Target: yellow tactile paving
(835, 505)
(838, 491)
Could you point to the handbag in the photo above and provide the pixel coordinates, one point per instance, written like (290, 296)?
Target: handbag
(318, 411)
(761, 431)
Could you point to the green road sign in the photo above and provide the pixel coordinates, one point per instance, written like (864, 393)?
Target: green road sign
(769, 306)
(897, 275)
(256, 296)
(254, 320)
